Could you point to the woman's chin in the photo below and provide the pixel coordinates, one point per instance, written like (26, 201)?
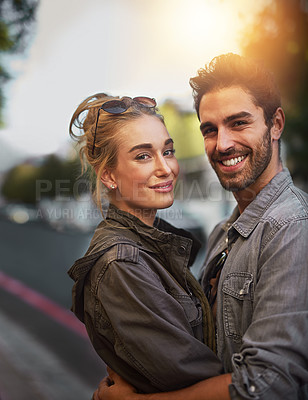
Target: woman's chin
(166, 204)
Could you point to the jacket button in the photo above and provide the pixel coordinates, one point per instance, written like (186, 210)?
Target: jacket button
(181, 250)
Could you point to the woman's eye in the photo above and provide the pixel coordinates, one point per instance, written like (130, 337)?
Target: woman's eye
(142, 156)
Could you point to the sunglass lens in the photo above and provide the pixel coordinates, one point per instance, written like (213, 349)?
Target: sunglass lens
(114, 107)
(145, 101)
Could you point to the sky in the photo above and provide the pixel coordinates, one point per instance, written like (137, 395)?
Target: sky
(120, 47)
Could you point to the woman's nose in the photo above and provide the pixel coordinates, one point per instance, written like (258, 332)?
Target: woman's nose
(162, 166)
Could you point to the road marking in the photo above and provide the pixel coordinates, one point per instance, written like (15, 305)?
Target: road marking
(42, 303)
(29, 370)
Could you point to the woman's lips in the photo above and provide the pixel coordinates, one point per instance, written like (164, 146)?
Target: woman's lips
(163, 187)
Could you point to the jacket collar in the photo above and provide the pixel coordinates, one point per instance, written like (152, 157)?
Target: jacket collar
(122, 227)
(246, 222)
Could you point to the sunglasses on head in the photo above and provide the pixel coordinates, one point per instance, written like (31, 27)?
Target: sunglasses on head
(120, 106)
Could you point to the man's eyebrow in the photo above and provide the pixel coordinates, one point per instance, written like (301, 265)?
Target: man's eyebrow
(242, 114)
(205, 124)
(148, 145)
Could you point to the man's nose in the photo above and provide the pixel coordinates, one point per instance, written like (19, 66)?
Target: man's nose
(225, 140)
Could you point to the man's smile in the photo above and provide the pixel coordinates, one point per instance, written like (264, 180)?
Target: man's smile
(232, 161)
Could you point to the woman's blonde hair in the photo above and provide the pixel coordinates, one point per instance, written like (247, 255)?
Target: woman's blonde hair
(105, 154)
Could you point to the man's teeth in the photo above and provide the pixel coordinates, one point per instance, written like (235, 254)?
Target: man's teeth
(232, 161)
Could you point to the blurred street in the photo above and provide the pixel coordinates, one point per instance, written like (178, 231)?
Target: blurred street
(44, 353)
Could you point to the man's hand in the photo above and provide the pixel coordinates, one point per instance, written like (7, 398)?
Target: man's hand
(113, 387)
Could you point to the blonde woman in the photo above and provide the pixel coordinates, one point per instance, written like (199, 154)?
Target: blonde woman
(145, 314)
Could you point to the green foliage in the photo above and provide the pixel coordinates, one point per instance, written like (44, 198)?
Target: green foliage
(183, 127)
(16, 17)
(19, 185)
(54, 177)
(60, 174)
(279, 37)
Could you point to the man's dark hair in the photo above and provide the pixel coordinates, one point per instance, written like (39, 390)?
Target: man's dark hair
(234, 70)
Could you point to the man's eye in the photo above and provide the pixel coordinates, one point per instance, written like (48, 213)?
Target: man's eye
(169, 152)
(207, 131)
(239, 123)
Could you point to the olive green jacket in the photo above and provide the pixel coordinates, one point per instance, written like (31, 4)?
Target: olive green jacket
(135, 294)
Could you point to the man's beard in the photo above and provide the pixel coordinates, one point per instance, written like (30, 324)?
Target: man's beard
(256, 162)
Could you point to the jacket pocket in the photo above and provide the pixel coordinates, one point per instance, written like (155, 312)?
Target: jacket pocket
(237, 289)
(192, 309)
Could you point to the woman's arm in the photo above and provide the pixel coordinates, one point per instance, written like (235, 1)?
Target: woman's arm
(153, 343)
(116, 388)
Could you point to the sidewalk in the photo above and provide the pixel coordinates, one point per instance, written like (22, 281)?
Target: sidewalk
(29, 371)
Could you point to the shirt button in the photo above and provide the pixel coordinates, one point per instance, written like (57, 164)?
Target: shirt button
(181, 250)
(252, 388)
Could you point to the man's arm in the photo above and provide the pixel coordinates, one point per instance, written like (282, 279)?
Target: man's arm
(116, 388)
(272, 362)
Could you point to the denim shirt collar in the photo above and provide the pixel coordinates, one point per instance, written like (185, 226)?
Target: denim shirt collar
(244, 224)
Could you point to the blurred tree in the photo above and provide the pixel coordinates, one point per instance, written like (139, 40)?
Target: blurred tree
(279, 38)
(15, 19)
(183, 127)
(52, 178)
(184, 130)
(19, 184)
(61, 176)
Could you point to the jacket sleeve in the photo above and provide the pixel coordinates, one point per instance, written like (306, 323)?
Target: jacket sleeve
(273, 362)
(150, 329)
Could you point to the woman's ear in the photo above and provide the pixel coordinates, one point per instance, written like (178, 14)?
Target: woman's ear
(278, 124)
(107, 179)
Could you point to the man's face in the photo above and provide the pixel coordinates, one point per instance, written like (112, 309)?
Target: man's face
(236, 138)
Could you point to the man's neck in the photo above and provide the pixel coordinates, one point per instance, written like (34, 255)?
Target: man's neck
(246, 196)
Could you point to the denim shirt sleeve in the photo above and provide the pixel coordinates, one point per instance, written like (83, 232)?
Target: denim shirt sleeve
(273, 360)
(151, 328)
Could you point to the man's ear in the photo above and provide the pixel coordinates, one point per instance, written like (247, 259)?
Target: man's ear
(278, 124)
(107, 178)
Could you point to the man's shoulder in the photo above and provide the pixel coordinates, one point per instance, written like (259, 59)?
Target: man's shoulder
(291, 204)
(280, 202)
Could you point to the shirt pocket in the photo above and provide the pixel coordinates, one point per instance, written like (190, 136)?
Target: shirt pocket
(237, 290)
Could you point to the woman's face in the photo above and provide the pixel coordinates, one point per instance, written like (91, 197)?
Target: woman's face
(146, 169)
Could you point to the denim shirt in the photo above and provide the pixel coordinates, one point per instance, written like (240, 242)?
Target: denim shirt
(262, 300)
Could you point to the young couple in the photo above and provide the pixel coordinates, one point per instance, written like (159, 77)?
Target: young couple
(243, 333)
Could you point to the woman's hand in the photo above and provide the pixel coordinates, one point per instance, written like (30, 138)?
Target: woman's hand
(113, 387)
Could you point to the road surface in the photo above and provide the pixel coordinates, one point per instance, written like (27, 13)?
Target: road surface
(44, 351)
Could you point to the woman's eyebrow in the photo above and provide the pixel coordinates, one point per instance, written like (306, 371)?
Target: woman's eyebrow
(141, 146)
(148, 145)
